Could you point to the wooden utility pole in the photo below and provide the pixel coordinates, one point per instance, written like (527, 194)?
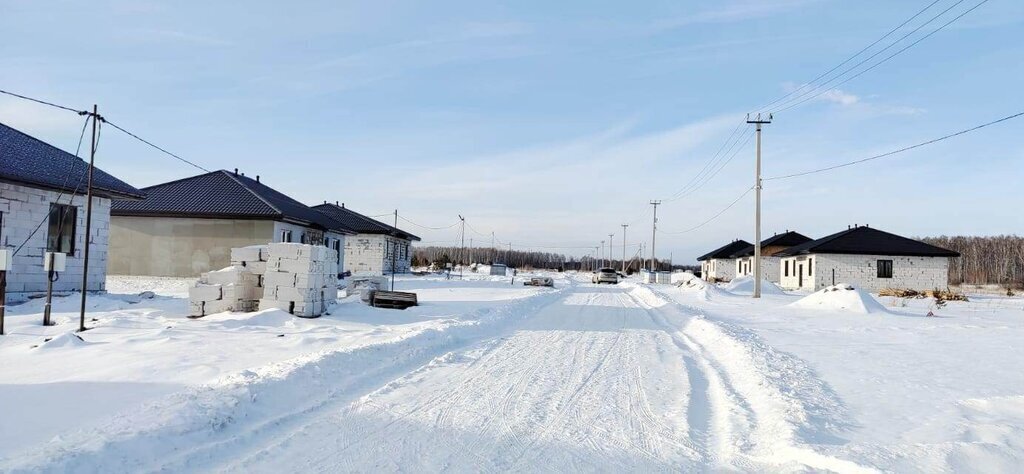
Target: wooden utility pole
(654, 231)
(757, 213)
(88, 222)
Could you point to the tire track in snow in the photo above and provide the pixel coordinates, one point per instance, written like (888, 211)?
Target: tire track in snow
(756, 415)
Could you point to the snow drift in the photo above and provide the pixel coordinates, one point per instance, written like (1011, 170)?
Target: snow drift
(746, 285)
(841, 297)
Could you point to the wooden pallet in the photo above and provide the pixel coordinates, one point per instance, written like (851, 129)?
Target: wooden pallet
(393, 299)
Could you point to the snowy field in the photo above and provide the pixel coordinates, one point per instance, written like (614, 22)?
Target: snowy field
(488, 376)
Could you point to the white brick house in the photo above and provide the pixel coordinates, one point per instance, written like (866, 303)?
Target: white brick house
(770, 261)
(43, 207)
(719, 264)
(375, 247)
(866, 258)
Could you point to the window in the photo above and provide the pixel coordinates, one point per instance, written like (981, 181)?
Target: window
(810, 265)
(885, 269)
(303, 238)
(286, 236)
(61, 229)
(785, 268)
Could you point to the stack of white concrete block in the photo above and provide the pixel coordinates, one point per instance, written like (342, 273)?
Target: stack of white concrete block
(301, 279)
(229, 289)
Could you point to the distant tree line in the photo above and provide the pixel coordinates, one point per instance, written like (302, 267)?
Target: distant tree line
(984, 260)
(441, 256)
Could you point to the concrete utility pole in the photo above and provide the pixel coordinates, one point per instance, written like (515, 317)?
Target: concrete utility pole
(600, 254)
(654, 230)
(624, 247)
(463, 251)
(596, 258)
(757, 197)
(610, 261)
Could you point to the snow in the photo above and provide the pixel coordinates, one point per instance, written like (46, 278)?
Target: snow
(841, 297)
(745, 285)
(488, 375)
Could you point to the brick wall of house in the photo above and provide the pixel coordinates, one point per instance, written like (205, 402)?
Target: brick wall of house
(918, 273)
(22, 209)
(370, 254)
(723, 269)
(769, 267)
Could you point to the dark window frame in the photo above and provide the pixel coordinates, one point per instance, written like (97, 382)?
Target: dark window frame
(65, 215)
(286, 235)
(884, 268)
(810, 265)
(785, 266)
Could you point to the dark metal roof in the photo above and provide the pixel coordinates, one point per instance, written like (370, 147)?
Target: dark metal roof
(32, 162)
(786, 239)
(223, 194)
(359, 223)
(868, 241)
(725, 251)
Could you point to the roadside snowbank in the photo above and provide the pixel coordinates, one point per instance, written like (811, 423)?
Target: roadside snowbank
(745, 285)
(841, 297)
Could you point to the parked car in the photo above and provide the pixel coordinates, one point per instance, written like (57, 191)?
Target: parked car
(605, 275)
(540, 281)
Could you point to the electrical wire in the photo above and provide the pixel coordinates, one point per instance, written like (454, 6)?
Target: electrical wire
(716, 216)
(43, 102)
(711, 176)
(710, 162)
(887, 58)
(60, 194)
(428, 227)
(901, 150)
(821, 89)
(143, 140)
(858, 53)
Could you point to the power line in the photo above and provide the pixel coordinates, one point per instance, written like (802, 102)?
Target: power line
(710, 162)
(428, 227)
(901, 150)
(112, 124)
(716, 216)
(819, 90)
(43, 102)
(711, 176)
(60, 194)
(858, 53)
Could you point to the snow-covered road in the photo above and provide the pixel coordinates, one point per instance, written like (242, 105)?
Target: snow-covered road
(600, 379)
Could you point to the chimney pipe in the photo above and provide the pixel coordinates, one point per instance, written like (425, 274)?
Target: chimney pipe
(236, 171)
(257, 178)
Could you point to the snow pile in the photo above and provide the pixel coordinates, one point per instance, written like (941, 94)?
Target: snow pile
(679, 277)
(67, 339)
(746, 285)
(705, 290)
(841, 297)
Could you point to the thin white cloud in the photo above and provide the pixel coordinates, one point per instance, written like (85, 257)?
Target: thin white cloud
(839, 97)
(732, 12)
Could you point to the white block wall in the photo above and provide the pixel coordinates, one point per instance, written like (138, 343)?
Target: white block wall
(23, 208)
(811, 268)
(370, 254)
(916, 273)
(769, 267)
(723, 269)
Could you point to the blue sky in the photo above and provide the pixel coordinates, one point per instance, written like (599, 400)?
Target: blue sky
(549, 123)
